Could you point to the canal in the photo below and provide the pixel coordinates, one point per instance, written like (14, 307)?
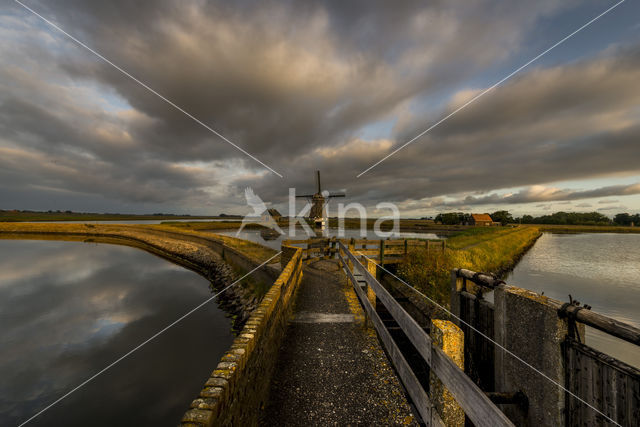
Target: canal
(69, 309)
(599, 269)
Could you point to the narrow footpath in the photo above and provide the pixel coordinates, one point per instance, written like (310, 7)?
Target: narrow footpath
(331, 368)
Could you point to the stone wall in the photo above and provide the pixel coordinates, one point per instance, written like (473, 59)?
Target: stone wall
(238, 387)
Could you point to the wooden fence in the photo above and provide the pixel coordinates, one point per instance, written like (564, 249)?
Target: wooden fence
(477, 315)
(388, 251)
(475, 403)
(605, 382)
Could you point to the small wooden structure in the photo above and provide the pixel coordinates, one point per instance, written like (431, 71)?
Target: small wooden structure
(481, 220)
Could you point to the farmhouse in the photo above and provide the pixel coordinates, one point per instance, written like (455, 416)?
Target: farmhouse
(481, 220)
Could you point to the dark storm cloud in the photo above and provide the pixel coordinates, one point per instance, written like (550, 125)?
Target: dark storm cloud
(567, 122)
(543, 194)
(294, 83)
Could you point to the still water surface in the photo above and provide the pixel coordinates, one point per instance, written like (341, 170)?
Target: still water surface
(69, 309)
(602, 270)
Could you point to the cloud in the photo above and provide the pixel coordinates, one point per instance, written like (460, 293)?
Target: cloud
(295, 83)
(540, 193)
(614, 208)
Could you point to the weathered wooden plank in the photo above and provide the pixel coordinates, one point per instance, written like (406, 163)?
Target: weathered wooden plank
(366, 252)
(634, 400)
(487, 348)
(396, 242)
(476, 405)
(418, 337)
(622, 393)
(617, 379)
(474, 402)
(399, 250)
(606, 324)
(478, 278)
(419, 397)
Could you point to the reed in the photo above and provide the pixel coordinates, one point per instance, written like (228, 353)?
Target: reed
(493, 250)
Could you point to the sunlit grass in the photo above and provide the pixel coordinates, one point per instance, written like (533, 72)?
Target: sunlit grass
(495, 250)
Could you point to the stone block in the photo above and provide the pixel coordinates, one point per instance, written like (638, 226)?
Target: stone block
(450, 339)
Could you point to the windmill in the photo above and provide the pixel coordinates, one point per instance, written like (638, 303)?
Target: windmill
(318, 201)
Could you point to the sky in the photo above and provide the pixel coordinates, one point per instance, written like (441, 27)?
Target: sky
(320, 85)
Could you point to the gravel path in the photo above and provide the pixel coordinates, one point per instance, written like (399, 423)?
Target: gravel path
(332, 371)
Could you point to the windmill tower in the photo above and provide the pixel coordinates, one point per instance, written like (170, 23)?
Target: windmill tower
(318, 202)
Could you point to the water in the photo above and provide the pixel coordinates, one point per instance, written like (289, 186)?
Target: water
(602, 270)
(254, 236)
(69, 309)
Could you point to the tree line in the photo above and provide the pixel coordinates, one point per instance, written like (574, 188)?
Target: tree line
(456, 218)
(557, 218)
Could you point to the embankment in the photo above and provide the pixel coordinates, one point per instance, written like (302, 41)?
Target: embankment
(238, 388)
(495, 251)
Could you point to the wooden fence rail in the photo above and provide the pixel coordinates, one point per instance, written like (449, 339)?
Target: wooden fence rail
(385, 251)
(475, 403)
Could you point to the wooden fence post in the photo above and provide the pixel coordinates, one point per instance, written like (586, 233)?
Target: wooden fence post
(406, 247)
(381, 252)
(457, 285)
(448, 337)
(351, 247)
(428, 245)
(371, 295)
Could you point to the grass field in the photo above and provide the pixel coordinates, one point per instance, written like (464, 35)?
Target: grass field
(12, 216)
(491, 249)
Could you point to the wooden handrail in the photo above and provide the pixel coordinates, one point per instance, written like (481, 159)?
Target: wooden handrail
(475, 403)
(480, 279)
(606, 324)
(603, 323)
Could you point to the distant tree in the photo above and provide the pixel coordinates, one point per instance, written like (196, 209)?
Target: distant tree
(503, 217)
(527, 219)
(623, 219)
(569, 218)
(451, 218)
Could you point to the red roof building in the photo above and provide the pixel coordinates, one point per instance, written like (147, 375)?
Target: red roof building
(481, 220)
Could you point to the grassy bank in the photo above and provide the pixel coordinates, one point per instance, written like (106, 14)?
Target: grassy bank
(254, 250)
(12, 216)
(494, 250)
(568, 229)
